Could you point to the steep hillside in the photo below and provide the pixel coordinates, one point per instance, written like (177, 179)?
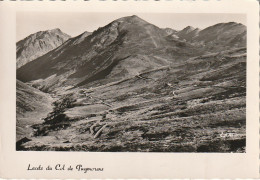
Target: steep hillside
(117, 48)
(38, 44)
(31, 106)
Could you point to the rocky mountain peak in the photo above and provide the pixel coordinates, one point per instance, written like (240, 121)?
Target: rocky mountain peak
(169, 31)
(38, 44)
(132, 20)
(188, 29)
(188, 33)
(56, 30)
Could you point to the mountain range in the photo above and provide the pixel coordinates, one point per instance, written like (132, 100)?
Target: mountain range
(132, 86)
(126, 46)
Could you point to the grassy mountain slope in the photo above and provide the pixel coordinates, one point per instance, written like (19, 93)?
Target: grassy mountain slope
(206, 114)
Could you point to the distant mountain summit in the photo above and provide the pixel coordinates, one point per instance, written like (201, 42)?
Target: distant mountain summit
(170, 31)
(188, 33)
(188, 29)
(38, 44)
(219, 36)
(224, 34)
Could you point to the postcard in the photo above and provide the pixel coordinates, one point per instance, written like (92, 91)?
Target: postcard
(129, 89)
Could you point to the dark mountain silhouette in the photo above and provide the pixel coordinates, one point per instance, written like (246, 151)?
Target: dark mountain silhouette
(38, 44)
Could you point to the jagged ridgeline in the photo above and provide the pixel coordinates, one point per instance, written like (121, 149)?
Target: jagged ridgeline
(132, 86)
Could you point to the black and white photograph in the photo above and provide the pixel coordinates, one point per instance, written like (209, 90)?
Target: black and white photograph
(121, 82)
(129, 89)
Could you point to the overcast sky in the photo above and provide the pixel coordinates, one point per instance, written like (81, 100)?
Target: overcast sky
(76, 23)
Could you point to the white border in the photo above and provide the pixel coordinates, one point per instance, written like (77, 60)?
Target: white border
(127, 165)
